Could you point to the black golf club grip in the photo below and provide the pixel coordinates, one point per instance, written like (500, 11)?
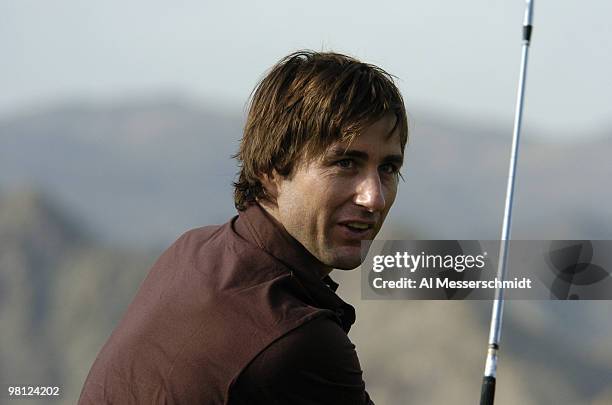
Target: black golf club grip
(488, 391)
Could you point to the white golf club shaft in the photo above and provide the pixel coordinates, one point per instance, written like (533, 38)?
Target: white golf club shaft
(488, 385)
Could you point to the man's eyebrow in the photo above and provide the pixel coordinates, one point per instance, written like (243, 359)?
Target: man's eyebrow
(342, 152)
(397, 159)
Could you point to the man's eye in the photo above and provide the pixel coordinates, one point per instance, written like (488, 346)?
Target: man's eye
(345, 163)
(389, 169)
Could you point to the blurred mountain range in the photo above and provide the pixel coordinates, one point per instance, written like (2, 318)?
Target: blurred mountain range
(90, 194)
(144, 171)
(140, 173)
(62, 293)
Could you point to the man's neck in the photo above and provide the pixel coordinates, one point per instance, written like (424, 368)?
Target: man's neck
(272, 211)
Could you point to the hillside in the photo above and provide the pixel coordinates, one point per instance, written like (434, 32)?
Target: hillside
(62, 293)
(90, 194)
(141, 172)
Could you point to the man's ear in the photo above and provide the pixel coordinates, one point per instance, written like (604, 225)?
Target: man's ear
(271, 184)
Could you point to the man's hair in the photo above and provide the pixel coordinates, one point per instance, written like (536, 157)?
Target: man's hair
(306, 102)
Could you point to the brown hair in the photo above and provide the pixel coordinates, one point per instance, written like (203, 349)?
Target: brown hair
(306, 102)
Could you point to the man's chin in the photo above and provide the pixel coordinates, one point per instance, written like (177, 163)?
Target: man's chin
(346, 259)
(346, 267)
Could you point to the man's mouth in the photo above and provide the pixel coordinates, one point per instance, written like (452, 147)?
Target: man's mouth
(357, 229)
(358, 226)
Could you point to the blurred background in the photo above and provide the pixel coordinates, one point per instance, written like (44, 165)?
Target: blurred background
(118, 120)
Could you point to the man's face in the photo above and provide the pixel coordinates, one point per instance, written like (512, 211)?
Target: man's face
(332, 203)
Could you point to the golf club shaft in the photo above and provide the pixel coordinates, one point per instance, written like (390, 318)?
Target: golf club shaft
(489, 380)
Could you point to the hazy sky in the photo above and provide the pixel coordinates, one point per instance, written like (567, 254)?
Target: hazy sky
(458, 58)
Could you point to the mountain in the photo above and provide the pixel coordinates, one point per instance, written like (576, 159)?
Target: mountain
(62, 293)
(92, 185)
(144, 171)
(139, 173)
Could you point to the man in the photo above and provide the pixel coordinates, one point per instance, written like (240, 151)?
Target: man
(245, 313)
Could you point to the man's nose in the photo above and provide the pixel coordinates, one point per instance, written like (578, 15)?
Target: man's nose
(369, 193)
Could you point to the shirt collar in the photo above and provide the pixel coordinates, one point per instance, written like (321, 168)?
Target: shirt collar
(256, 225)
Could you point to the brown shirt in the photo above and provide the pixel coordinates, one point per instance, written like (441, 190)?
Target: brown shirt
(232, 314)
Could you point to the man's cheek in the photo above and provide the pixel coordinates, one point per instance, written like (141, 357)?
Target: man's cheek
(390, 198)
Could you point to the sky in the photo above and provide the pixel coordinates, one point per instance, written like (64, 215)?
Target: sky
(455, 59)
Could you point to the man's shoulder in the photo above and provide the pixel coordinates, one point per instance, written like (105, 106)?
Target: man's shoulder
(215, 241)
(203, 233)
(207, 240)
